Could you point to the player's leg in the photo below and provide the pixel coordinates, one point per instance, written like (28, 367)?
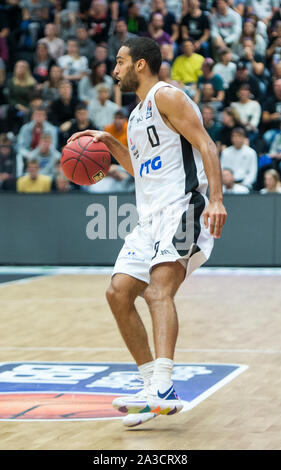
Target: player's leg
(164, 282)
(121, 296)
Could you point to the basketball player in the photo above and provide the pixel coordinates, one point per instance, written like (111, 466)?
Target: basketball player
(173, 160)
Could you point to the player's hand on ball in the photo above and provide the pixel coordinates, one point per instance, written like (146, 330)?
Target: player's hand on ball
(217, 214)
(97, 135)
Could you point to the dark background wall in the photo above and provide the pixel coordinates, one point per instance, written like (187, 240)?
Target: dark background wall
(60, 229)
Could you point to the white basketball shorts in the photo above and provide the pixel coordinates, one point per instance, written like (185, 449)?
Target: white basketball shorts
(176, 233)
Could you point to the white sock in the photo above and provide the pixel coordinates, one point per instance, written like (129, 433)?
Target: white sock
(162, 375)
(146, 372)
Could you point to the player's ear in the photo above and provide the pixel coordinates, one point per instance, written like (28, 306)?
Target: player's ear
(140, 64)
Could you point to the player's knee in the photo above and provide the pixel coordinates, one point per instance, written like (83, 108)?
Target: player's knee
(116, 296)
(111, 295)
(154, 294)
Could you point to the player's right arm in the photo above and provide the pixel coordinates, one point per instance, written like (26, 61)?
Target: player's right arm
(118, 150)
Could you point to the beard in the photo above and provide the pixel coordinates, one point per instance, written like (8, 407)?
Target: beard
(130, 82)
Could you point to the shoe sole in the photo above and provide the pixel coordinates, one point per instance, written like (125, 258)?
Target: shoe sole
(129, 407)
(166, 407)
(163, 407)
(133, 420)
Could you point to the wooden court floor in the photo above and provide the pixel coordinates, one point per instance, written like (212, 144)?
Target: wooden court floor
(226, 318)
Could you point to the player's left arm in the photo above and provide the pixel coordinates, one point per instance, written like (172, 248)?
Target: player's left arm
(181, 116)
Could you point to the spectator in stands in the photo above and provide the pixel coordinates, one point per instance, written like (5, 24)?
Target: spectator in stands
(196, 25)
(2, 82)
(229, 186)
(187, 67)
(81, 122)
(241, 159)
(41, 63)
(276, 17)
(50, 89)
(249, 112)
(33, 181)
(61, 184)
(98, 21)
(20, 86)
(263, 9)
(155, 30)
(165, 75)
(276, 75)
(86, 46)
(212, 126)
(74, 66)
(272, 182)
(120, 35)
(242, 76)
(118, 128)
(167, 53)
(67, 24)
(63, 108)
(30, 134)
(145, 7)
(46, 155)
(249, 30)
(4, 47)
(273, 51)
(208, 76)
(171, 25)
(7, 163)
(253, 60)
(37, 13)
(225, 67)
(136, 23)
(55, 44)
(87, 87)
(102, 110)
(101, 55)
(226, 25)
(207, 96)
(271, 115)
(230, 120)
(275, 148)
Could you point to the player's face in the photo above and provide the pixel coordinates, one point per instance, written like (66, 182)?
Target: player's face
(125, 71)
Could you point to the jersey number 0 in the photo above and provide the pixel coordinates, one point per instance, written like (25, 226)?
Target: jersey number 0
(153, 136)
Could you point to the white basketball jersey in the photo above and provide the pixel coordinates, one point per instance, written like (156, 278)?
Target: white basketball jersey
(166, 165)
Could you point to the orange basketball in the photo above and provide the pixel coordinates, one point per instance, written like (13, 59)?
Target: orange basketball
(85, 162)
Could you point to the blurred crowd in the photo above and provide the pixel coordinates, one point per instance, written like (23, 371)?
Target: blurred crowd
(56, 78)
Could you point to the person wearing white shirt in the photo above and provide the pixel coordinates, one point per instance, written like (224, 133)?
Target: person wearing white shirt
(225, 68)
(241, 159)
(74, 66)
(226, 25)
(229, 186)
(249, 112)
(55, 44)
(102, 110)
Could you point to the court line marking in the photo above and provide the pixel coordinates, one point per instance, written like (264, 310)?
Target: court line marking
(107, 349)
(222, 271)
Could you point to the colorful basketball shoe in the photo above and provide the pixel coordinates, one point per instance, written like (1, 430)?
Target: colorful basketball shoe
(135, 419)
(134, 403)
(167, 403)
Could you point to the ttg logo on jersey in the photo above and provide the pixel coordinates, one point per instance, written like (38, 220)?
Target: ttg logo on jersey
(154, 164)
